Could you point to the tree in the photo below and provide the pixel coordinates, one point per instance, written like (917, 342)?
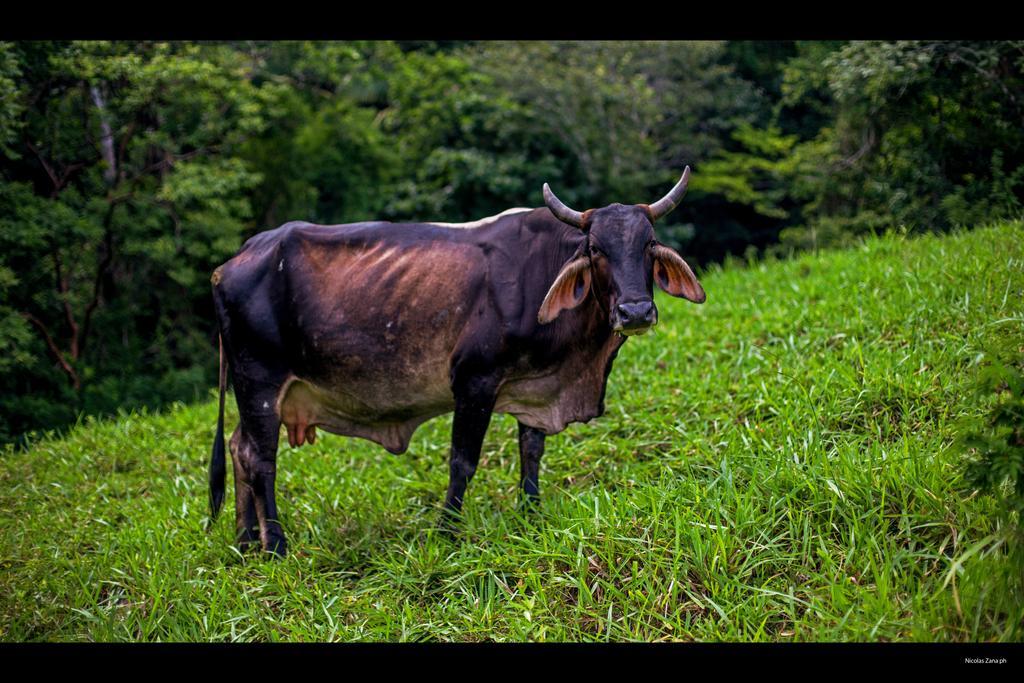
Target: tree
(924, 134)
(120, 195)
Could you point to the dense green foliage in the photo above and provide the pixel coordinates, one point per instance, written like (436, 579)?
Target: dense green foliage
(778, 464)
(129, 170)
(995, 440)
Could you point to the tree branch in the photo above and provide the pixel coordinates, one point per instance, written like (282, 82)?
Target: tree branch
(169, 161)
(46, 167)
(63, 288)
(58, 356)
(59, 181)
(867, 146)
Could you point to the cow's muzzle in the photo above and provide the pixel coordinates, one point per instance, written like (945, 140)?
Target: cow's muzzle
(634, 317)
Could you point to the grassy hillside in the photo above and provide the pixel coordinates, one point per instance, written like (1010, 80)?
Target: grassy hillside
(774, 465)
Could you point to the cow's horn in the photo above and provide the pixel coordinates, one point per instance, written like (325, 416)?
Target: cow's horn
(561, 211)
(672, 199)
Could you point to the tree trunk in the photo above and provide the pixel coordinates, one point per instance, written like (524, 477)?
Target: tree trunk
(107, 137)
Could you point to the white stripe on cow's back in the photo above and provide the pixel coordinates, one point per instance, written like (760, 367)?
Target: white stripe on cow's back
(483, 221)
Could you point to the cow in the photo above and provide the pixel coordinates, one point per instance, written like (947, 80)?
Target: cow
(370, 329)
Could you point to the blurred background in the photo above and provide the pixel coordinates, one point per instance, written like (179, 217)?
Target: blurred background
(130, 170)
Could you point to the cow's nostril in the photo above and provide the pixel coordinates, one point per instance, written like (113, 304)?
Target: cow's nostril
(634, 313)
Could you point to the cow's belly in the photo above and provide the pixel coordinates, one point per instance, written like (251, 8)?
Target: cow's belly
(386, 412)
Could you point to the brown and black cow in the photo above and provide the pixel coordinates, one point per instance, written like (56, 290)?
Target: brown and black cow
(370, 329)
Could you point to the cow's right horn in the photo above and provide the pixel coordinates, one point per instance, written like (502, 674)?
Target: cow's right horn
(561, 211)
(672, 199)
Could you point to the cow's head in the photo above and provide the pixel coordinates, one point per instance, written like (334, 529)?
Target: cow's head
(620, 261)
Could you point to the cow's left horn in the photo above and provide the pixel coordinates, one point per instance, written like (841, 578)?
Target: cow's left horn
(561, 211)
(672, 199)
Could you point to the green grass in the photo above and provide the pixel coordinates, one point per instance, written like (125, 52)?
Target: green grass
(775, 465)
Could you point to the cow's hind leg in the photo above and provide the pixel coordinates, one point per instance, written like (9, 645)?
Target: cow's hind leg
(531, 449)
(247, 526)
(255, 473)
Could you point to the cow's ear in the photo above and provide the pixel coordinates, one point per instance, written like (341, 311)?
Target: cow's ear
(568, 290)
(674, 276)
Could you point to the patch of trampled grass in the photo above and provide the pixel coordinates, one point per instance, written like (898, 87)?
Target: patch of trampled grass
(774, 465)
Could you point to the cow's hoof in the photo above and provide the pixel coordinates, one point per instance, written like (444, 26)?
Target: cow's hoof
(277, 547)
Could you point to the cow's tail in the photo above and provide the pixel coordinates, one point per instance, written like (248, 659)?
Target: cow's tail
(217, 460)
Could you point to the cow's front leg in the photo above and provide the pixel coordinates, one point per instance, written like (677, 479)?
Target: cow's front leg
(531, 449)
(474, 403)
